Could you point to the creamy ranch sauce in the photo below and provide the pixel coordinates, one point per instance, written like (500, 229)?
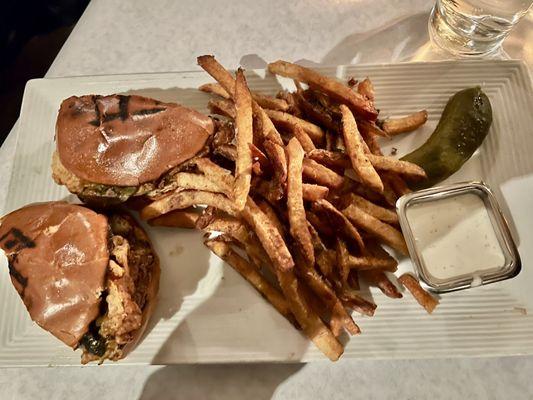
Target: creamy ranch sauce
(455, 236)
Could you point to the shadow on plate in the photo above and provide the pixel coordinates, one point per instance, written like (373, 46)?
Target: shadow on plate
(246, 381)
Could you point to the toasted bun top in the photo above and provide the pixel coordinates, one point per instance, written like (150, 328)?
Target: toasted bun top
(127, 140)
(58, 256)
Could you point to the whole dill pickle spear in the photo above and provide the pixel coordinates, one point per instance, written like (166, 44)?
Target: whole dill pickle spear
(462, 127)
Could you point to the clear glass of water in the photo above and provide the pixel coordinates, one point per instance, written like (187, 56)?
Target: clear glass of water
(474, 27)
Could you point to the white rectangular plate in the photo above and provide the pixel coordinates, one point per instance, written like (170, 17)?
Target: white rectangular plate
(207, 313)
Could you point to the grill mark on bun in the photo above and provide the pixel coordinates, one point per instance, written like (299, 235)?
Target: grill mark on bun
(19, 239)
(123, 106)
(22, 280)
(149, 111)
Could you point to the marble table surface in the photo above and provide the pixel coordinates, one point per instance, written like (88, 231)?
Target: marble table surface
(115, 36)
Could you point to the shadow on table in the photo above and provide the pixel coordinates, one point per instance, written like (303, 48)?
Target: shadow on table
(247, 381)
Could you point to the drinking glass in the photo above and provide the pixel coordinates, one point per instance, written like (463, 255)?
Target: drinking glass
(474, 27)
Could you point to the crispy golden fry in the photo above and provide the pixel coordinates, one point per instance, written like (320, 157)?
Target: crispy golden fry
(230, 226)
(380, 279)
(295, 203)
(366, 89)
(276, 154)
(222, 107)
(321, 174)
(332, 159)
(320, 225)
(352, 300)
(259, 157)
(191, 181)
(268, 129)
(316, 113)
(184, 199)
(228, 151)
(215, 172)
(177, 219)
(243, 267)
(396, 183)
(362, 263)
(311, 324)
(269, 236)
(381, 213)
(338, 221)
(343, 259)
(315, 282)
(269, 102)
(304, 139)
(218, 72)
(353, 279)
(314, 192)
(370, 128)
(329, 86)
(395, 126)
(422, 297)
(374, 226)
(355, 149)
(290, 122)
(266, 189)
(385, 163)
(272, 216)
(243, 123)
(214, 88)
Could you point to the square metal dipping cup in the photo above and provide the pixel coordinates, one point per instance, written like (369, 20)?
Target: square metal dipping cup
(511, 266)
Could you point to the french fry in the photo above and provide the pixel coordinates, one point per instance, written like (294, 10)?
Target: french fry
(228, 225)
(303, 138)
(191, 181)
(362, 263)
(269, 236)
(379, 278)
(311, 324)
(353, 279)
(339, 221)
(184, 199)
(243, 123)
(295, 203)
(248, 272)
(381, 213)
(218, 72)
(422, 297)
(368, 129)
(366, 89)
(315, 282)
(206, 217)
(330, 140)
(397, 183)
(272, 216)
(270, 103)
(316, 113)
(214, 172)
(329, 86)
(395, 126)
(314, 192)
(176, 219)
(321, 174)
(228, 151)
(266, 189)
(214, 88)
(385, 163)
(290, 122)
(259, 157)
(278, 160)
(355, 149)
(320, 225)
(223, 107)
(330, 158)
(374, 226)
(352, 300)
(343, 259)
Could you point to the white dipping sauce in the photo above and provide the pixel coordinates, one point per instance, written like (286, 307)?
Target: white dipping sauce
(455, 236)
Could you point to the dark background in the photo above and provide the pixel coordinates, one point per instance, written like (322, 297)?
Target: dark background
(31, 35)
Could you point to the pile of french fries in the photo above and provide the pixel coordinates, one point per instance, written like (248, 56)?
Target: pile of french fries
(298, 197)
